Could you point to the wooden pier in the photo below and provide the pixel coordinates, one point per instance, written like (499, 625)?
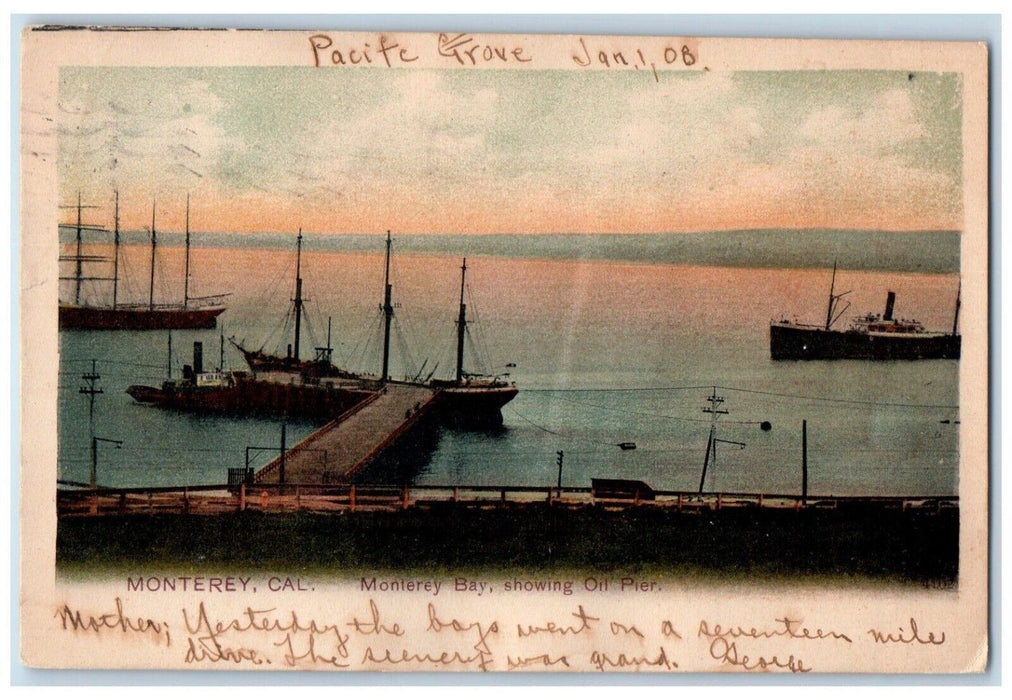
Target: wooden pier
(344, 446)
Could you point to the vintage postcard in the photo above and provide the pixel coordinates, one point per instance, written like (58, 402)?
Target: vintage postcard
(460, 352)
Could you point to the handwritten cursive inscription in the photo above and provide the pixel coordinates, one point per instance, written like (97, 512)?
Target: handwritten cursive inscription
(727, 652)
(373, 625)
(604, 661)
(545, 660)
(483, 631)
(75, 621)
(310, 655)
(364, 54)
(563, 630)
(633, 57)
(467, 51)
(913, 636)
(566, 638)
(786, 628)
(208, 641)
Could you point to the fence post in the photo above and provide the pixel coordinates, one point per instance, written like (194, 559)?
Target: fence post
(456, 494)
(186, 500)
(404, 498)
(242, 497)
(122, 503)
(351, 497)
(298, 498)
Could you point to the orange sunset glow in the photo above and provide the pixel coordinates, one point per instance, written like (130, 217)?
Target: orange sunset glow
(272, 150)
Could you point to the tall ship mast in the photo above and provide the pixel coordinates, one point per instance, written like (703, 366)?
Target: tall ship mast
(260, 360)
(869, 337)
(467, 399)
(135, 316)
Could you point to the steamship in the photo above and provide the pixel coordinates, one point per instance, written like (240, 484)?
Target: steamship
(465, 400)
(869, 337)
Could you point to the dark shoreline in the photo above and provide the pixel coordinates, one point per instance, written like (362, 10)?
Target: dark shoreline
(897, 546)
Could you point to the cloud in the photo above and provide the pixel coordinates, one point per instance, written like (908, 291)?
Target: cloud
(435, 150)
(115, 138)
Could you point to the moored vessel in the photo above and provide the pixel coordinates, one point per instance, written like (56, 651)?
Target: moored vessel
(869, 337)
(468, 399)
(192, 313)
(318, 388)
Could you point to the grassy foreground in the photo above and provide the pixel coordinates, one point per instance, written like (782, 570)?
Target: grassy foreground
(860, 541)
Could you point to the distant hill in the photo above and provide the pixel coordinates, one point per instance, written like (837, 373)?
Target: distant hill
(925, 251)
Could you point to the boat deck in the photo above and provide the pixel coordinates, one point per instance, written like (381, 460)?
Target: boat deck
(344, 446)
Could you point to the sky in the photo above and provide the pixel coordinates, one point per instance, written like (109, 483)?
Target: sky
(536, 151)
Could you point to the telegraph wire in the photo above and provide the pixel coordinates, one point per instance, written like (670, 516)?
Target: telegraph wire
(802, 397)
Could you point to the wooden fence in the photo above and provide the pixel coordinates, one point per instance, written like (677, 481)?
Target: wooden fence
(315, 498)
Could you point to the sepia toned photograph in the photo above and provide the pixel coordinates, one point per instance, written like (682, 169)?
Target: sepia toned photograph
(476, 352)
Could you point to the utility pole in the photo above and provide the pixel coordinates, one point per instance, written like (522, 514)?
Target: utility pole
(558, 460)
(93, 478)
(91, 389)
(715, 410)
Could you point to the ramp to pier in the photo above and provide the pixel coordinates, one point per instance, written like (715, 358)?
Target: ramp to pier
(335, 452)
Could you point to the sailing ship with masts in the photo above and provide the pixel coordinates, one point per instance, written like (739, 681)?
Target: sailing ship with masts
(468, 400)
(322, 363)
(869, 337)
(192, 313)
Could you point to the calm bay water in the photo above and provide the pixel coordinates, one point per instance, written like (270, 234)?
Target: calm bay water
(605, 352)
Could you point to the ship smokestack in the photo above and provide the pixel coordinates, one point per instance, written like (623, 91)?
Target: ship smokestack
(890, 301)
(198, 357)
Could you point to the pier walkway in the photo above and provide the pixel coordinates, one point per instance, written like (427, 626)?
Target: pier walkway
(342, 447)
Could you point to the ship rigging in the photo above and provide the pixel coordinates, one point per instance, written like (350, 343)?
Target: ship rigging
(192, 313)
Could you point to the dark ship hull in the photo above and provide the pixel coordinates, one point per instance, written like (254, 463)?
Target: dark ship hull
(474, 406)
(469, 401)
(246, 396)
(794, 342)
(137, 318)
(260, 361)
